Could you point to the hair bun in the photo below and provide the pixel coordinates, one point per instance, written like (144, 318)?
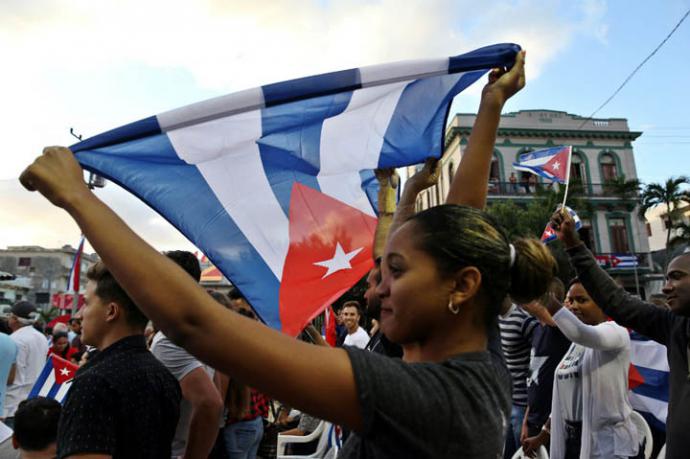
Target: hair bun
(532, 271)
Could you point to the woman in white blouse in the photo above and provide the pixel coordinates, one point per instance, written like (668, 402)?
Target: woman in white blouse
(590, 410)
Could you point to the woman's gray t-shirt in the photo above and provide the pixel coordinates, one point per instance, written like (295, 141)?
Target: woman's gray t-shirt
(454, 409)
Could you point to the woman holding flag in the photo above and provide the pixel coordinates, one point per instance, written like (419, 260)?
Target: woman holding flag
(445, 274)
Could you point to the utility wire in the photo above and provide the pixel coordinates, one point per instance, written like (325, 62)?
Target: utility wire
(687, 13)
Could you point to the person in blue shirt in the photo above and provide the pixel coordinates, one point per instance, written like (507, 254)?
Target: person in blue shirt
(8, 354)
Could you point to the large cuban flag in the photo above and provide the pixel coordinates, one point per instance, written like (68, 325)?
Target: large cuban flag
(648, 379)
(275, 184)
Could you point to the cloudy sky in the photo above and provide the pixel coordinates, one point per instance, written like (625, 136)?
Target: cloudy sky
(95, 65)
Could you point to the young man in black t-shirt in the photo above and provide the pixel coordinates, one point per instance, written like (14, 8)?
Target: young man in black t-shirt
(123, 403)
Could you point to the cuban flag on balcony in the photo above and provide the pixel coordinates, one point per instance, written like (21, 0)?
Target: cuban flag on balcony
(275, 184)
(648, 379)
(55, 379)
(552, 164)
(623, 261)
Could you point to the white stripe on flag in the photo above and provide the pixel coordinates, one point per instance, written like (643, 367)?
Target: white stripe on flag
(649, 354)
(352, 141)
(62, 391)
(658, 408)
(226, 154)
(47, 384)
(249, 99)
(405, 70)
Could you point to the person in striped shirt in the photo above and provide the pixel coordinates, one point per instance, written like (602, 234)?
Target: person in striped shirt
(517, 327)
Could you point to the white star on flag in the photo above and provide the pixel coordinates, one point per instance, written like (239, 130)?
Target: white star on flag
(340, 260)
(64, 371)
(556, 166)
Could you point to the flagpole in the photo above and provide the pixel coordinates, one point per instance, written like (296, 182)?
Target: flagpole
(567, 176)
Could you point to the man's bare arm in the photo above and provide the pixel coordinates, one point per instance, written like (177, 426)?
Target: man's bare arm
(388, 194)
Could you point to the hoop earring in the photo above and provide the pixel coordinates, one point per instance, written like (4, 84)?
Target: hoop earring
(453, 308)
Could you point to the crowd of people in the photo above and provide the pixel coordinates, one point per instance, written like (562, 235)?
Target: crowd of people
(475, 348)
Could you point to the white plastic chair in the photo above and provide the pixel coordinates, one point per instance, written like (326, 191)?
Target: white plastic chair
(541, 454)
(644, 431)
(321, 432)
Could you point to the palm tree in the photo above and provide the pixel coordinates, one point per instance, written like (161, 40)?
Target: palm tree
(623, 187)
(670, 194)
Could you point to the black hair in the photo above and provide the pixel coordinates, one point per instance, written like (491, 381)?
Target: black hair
(187, 261)
(459, 236)
(235, 294)
(108, 289)
(36, 423)
(59, 334)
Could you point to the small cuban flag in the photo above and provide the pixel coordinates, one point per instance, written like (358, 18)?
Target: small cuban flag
(55, 379)
(75, 272)
(550, 235)
(552, 164)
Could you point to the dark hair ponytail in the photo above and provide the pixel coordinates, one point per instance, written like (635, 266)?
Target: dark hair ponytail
(459, 236)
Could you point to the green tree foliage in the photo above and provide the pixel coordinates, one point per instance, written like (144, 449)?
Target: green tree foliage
(529, 218)
(670, 194)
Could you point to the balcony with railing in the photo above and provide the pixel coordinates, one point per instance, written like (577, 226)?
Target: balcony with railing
(624, 261)
(614, 190)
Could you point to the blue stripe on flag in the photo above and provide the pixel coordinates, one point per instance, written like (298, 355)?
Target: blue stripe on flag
(501, 55)
(136, 167)
(311, 86)
(53, 391)
(291, 142)
(655, 384)
(370, 185)
(38, 385)
(417, 128)
(138, 129)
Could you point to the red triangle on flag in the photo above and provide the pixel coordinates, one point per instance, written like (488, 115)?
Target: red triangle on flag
(635, 379)
(63, 369)
(558, 165)
(330, 250)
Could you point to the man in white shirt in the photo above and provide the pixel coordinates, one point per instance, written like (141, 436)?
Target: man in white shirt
(201, 406)
(356, 336)
(32, 348)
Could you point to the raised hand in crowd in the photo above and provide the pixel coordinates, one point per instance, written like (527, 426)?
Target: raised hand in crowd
(564, 226)
(468, 187)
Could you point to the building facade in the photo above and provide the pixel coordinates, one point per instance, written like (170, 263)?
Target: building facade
(602, 160)
(658, 224)
(47, 270)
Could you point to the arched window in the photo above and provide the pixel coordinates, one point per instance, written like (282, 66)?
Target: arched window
(495, 171)
(608, 167)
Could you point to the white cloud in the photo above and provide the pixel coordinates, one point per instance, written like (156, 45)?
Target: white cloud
(96, 65)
